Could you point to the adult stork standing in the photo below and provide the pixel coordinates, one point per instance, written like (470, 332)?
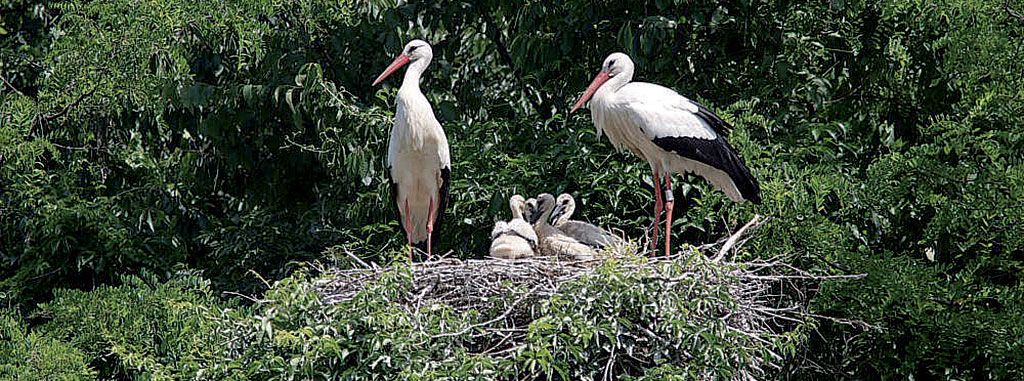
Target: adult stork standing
(418, 157)
(672, 133)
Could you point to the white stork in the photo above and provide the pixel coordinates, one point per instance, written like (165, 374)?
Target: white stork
(672, 133)
(418, 157)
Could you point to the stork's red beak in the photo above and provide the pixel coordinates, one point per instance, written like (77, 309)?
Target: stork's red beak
(599, 80)
(400, 61)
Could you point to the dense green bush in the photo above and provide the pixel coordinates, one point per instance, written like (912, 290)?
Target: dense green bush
(141, 328)
(242, 135)
(35, 356)
(179, 330)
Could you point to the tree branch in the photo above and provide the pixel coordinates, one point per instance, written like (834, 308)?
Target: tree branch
(66, 109)
(11, 86)
(1014, 14)
(754, 222)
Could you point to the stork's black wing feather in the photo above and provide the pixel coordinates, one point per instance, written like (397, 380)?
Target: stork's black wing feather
(716, 122)
(442, 203)
(718, 154)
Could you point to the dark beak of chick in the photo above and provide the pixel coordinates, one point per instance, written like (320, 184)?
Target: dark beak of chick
(559, 211)
(534, 212)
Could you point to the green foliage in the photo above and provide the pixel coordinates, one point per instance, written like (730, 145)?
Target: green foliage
(602, 323)
(34, 356)
(242, 135)
(141, 328)
(295, 336)
(157, 138)
(622, 323)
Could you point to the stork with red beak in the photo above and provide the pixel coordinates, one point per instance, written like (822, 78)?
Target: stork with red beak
(418, 157)
(672, 133)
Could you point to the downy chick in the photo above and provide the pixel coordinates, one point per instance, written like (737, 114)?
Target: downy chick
(586, 233)
(515, 238)
(551, 240)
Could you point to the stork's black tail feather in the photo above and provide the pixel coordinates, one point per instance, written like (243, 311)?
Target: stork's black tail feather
(744, 180)
(717, 153)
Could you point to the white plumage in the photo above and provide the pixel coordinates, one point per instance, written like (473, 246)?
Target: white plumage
(516, 238)
(418, 156)
(585, 233)
(672, 133)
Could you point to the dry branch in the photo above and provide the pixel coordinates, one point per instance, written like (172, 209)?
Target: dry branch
(729, 243)
(1014, 14)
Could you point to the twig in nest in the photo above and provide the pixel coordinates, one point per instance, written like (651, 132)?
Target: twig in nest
(768, 299)
(729, 243)
(492, 321)
(356, 258)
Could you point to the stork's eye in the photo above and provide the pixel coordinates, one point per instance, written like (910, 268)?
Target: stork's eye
(610, 63)
(412, 48)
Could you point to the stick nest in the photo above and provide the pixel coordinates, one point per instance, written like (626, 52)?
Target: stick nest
(760, 301)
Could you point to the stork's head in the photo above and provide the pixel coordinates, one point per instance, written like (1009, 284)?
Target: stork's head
(418, 50)
(414, 51)
(617, 65)
(545, 204)
(565, 206)
(531, 214)
(518, 205)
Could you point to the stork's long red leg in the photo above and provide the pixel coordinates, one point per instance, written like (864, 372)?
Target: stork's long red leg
(408, 228)
(430, 229)
(657, 213)
(669, 203)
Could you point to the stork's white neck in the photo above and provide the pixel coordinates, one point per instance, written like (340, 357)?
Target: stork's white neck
(517, 205)
(615, 83)
(413, 74)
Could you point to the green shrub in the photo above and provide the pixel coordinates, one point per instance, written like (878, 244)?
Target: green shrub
(614, 321)
(140, 329)
(31, 355)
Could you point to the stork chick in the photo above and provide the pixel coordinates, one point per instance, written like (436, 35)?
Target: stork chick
(586, 233)
(516, 238)
(552, 241)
